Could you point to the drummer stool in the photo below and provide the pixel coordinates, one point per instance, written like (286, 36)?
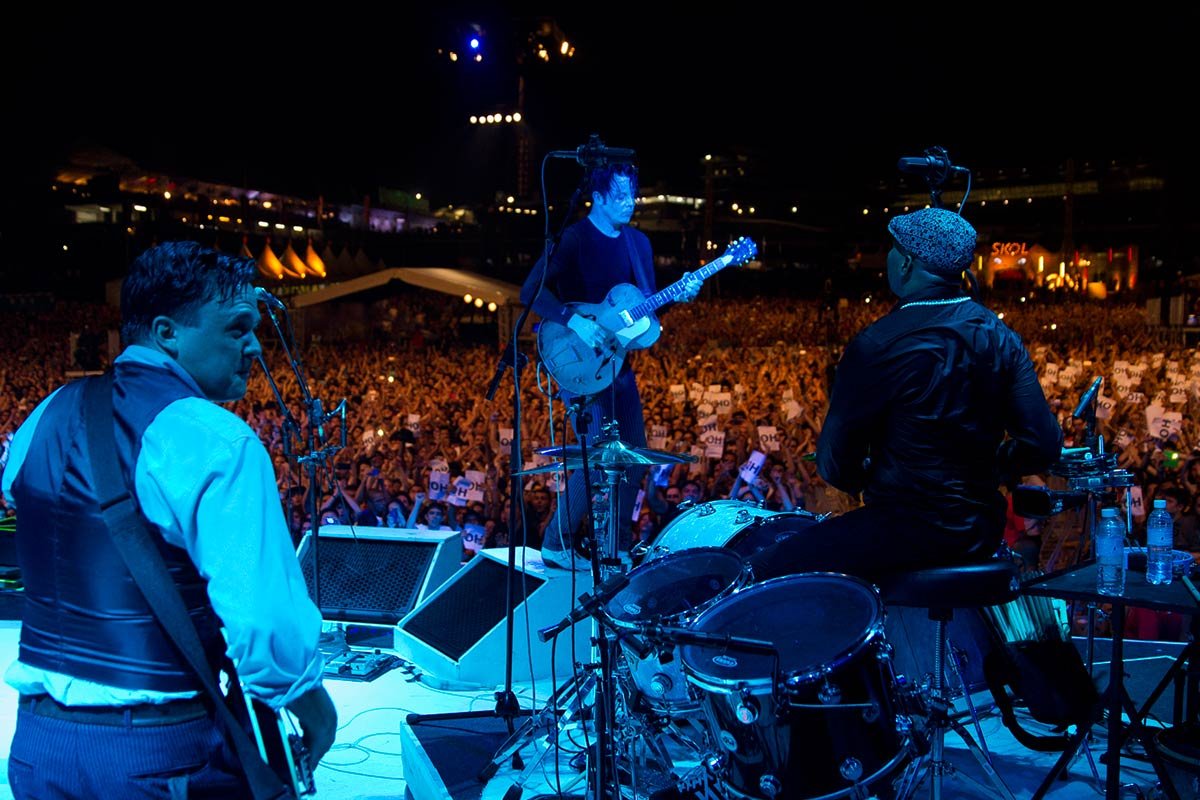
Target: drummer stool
(941, 590)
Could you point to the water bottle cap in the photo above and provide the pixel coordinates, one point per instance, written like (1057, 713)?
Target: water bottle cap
(1108, 512)
(1160, 504)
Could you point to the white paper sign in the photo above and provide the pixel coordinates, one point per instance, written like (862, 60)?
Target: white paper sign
(662, 474)
(678, 393)
(739, 389)
(788, 394)
(715, 444)
(472, 536)
(658, 437)
(697, 466)
(753, 466)
(439, 479)
(770, 438)
(506, 437)
(708, 425)
(704, 409)
(1136, 505)
(414, 424)
(477, 478)
(1051, 370)
(793, 409)
(461, 487)
(1104, 407)
(714, 387)
(724, 403)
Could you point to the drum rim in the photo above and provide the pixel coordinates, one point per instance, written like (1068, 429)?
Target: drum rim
(738, 581)
(873, 633)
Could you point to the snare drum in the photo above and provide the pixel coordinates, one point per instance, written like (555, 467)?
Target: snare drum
(673, 591)
(819, 721)
(735, 524)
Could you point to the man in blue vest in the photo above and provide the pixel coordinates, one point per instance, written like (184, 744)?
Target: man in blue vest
(594, 255)
(109, 707)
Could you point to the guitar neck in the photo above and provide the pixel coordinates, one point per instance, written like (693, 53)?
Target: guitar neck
(677, 289)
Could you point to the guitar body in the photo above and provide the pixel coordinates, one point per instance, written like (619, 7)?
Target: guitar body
(627, 318)
(581, 369)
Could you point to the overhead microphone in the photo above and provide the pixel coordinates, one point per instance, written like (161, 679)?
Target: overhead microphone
(929, 166)
(263, 296)
(596, 153)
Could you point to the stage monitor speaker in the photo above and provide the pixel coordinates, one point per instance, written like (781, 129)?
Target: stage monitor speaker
(377, 575)
(456, 636)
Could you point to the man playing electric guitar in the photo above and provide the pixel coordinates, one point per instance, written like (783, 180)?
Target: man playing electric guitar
(596, 254)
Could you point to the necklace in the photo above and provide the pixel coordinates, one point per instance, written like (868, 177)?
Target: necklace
(947, 302)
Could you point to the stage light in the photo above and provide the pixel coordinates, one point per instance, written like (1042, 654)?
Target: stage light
(491, 306)
(479, 302)
(467, 298)
(474, 43)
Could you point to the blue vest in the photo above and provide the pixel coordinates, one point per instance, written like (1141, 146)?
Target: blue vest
(84, 615)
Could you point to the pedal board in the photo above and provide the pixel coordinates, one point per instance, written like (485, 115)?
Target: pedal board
(354, 665)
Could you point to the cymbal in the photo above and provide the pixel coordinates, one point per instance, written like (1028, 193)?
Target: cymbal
(557, 466)
(614, 453)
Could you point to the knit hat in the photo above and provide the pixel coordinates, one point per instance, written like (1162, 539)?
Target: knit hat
(941, 239)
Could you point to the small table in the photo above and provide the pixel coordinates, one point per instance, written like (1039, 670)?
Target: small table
(1079, 583)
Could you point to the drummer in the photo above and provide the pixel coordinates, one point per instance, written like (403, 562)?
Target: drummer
(922, 402)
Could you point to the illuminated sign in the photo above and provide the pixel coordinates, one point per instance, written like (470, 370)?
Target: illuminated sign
(1009, 248)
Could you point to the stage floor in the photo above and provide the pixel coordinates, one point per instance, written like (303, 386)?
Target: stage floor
(378, 755)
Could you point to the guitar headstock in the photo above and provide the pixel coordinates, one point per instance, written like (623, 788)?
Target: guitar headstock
(741, 250)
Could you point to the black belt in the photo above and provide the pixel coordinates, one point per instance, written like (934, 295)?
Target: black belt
(140, 715)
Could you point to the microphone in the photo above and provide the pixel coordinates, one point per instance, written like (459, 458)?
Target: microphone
(928, 166)
(1088, 397)
(595, 153)
(588, 603)
(271, 301)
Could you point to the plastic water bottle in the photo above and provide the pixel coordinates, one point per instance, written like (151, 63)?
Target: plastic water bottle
(1160, 537)
(1110, 553)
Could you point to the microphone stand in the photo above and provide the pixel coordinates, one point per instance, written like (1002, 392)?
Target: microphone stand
(507, 706)
(315, 449)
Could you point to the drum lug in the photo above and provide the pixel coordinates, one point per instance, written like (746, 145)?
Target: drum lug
(904, 724)
(769, 785)
(705, 510)
(830, 693)
(742, 517)
(851, 769)
(883, 653)
(747, 708)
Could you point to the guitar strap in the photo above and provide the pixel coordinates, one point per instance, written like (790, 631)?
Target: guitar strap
(643, 275)
(133, 541)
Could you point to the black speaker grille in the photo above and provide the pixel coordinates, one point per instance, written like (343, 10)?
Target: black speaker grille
(368, 580)
(471, 605)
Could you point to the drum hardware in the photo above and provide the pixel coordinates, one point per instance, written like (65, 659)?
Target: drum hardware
(821, 717)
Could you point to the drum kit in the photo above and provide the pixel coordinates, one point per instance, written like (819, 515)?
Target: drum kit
(723, 687)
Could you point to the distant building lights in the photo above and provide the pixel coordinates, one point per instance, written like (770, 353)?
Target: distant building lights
(517, 116)
(474, 119)
(509, 199)
(140, 208)
(492, 306)
(166, 195)
(298, 229)
(453, 56)
(565, 47)
(474, 43)
(266, 204)
(478, 57)
(263, 224)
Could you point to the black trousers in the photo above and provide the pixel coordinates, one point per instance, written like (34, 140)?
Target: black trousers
(620, 402)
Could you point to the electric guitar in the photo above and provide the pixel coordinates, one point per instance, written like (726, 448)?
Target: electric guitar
(626, 316)
(283, 750)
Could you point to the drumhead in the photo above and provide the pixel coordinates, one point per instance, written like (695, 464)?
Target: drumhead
(710, 524)
(766, 531)
(677, 584)
(817, 620)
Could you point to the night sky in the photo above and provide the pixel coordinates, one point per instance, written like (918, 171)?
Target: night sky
(337, 106)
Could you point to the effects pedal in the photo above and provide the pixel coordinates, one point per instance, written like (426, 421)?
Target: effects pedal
(360, 666)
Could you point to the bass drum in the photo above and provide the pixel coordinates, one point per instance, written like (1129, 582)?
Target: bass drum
(820, 720)
(742, 527)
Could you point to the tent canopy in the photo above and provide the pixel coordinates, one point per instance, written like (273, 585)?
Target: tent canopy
(439, 279)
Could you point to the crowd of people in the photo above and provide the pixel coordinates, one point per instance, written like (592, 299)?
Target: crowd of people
(728, 377)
